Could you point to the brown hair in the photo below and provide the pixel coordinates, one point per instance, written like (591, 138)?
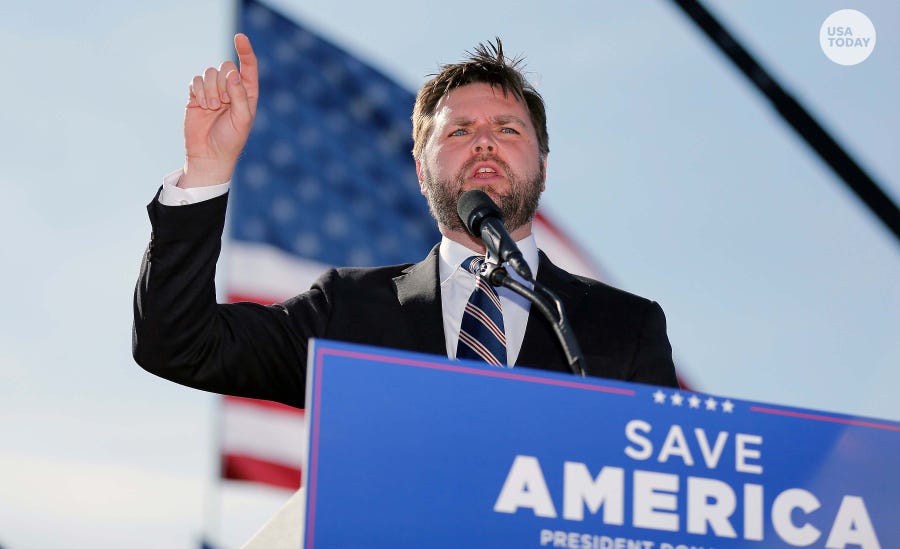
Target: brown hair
(486, 65)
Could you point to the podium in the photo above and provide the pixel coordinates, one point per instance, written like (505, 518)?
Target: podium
(411, 450)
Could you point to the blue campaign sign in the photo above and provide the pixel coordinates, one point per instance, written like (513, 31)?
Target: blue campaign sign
(410, 450)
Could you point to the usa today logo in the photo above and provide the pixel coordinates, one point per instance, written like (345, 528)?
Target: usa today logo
(847, 37)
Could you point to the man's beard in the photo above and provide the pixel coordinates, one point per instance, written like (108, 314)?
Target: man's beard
(518, 206)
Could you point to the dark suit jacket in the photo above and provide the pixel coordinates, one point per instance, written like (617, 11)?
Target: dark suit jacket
(245, 349)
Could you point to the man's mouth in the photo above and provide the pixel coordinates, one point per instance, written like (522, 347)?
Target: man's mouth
(485, 170)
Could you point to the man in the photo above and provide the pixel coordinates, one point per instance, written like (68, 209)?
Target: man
(478, 124)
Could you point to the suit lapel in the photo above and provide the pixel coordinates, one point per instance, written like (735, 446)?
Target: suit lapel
(419, 296)
(540, 347)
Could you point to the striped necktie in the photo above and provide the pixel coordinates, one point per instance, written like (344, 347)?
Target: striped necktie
(481, 334)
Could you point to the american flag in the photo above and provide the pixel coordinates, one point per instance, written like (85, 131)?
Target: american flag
(327, 178)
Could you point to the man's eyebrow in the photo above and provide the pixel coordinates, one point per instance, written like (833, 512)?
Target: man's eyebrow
(499, 119)
(507, 118)
(460, 121)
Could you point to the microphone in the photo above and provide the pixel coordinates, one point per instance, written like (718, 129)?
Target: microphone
(483, 219)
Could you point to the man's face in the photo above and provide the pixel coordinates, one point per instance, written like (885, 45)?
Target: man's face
(483, 140)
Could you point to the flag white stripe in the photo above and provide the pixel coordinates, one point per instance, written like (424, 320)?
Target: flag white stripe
(265, 433)
(261, 270)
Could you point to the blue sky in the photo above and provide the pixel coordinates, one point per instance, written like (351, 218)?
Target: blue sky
(675, 174)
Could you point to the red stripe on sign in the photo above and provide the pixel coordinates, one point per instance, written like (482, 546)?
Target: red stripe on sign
(267, 404)
(829, 419)
(242, 467)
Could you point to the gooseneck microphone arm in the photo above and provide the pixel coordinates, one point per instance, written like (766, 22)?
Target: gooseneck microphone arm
(483, 219)
(549, 305)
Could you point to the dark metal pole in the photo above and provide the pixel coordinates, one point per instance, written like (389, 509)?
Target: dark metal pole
(793, 112)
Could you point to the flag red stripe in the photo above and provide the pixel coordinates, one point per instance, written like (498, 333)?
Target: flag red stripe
(573, 247)
(242, 467)
(235, 297)
(564, 239)
(541, 218)
(267, 404)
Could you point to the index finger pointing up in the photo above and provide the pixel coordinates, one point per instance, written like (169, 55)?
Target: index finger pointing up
(248, 67)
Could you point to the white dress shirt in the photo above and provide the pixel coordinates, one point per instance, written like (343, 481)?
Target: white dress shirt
(456, 283)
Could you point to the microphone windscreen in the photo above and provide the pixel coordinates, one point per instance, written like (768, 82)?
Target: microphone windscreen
(473, 207)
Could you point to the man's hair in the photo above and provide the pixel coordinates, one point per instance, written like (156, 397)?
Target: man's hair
(487, 65)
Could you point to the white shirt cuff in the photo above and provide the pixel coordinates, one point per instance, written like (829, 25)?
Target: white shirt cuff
(172, 195)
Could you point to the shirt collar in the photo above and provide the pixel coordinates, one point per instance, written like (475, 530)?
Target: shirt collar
(451, 255)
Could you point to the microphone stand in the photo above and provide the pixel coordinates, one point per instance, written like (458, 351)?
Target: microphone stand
(549, 305)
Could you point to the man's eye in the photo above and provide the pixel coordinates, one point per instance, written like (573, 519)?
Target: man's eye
(458, 132)
(509, 130)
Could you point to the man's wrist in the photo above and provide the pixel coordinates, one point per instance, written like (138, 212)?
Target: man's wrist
(200, 173)
(172, 194)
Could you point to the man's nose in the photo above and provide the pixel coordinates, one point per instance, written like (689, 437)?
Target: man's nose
(484, 141)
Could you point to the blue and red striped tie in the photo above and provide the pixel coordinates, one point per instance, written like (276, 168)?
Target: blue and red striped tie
(481, 335)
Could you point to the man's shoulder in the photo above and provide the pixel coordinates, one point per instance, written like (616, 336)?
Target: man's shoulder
(597, 287)
(381, 272)
(590, 288)
(354, 286)
(369, 277)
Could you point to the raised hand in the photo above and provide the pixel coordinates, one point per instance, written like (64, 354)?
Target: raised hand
(218, 118)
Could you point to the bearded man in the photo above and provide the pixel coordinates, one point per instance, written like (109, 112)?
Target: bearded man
(478, 124)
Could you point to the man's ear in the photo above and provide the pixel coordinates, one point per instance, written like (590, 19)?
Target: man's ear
(421, 178)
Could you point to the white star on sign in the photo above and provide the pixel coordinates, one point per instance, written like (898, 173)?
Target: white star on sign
(711, 403)
(727, 406)
(659, 397)
(694, 401)
(677, 399)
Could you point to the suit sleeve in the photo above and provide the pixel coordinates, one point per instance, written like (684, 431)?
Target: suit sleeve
(181, 334)
(652, 362)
